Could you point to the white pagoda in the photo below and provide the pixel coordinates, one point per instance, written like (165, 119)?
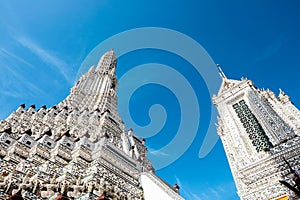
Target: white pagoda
(79, 148)
(260, 134)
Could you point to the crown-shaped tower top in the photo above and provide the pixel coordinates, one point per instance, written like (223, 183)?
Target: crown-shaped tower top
(107, 62)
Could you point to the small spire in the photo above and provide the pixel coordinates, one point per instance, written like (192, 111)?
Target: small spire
(92, 69)
(221, 72)
(281, 92)
(32, 106)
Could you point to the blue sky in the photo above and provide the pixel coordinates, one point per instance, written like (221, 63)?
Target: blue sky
(42, 46)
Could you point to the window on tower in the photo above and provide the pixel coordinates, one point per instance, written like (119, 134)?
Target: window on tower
(253, 128)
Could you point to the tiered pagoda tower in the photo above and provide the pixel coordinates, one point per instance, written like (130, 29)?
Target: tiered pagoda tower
(79, 148)
(259, 131)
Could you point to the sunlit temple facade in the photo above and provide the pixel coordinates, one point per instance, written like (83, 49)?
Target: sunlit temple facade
(79, 148)
(259, 131)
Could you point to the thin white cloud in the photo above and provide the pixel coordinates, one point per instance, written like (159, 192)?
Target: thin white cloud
(47, 58)
(215, 192)
(186, 191)
(178, 181)
(195, 197)
(7, 53)
(11, 93)
(20, 79)
(218, 192)
(157, 152)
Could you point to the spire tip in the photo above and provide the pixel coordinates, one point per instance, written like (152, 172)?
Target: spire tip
(223, 76)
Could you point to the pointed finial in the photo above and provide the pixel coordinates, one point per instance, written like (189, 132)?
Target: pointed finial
(223, 76)
(110, 52)
(281, 92)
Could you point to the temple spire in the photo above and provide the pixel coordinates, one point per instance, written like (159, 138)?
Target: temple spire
(223, 76)
(107, 61)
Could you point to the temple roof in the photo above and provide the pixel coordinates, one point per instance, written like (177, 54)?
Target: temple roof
(226, 83)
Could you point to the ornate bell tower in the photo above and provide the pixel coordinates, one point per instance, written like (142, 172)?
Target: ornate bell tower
(258, 130)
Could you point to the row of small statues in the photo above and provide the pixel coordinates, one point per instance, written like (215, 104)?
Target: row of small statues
(16, 188)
